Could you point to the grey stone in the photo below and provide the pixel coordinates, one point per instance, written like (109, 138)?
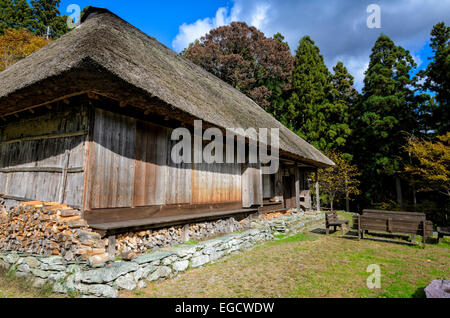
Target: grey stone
(199, 260)
(39, 282)
(108, 274)
(23, 268)
(438, 289)
(11, 258)
(147, 270)
(103, 291)
(52, 260)
(184, 251)
(126, 282)
(32, 262)
(169, 260)
(52, 267)
(216, 255)
(141, 284)
(73, 268)
(57, 276)
(180, 266)
(138, 274)
(39, 273)
(21, 274)
(161, 272)
(148, 258)
(71, 285)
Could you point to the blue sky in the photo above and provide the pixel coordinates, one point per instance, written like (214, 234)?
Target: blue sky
(160, 19)
(338, 27)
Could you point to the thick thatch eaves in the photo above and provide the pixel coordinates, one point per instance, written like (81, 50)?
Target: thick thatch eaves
(106, 53)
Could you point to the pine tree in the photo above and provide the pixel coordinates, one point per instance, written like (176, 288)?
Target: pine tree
(46, 15)
(310, 99)
(16, 14)
(344, 98)
(384, 118)
(437, 77)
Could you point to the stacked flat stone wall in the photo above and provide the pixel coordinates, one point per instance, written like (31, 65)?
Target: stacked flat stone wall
(105, 280)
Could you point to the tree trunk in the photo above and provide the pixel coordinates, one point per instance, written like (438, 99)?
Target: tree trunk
(414, 196)
(398, 187)
(347, 200)
(331, 204)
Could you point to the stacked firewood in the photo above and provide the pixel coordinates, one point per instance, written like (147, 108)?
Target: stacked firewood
(48, 229)
(270, 216)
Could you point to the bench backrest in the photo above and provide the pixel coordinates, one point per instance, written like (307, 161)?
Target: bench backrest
(398, 215)
(331, 217)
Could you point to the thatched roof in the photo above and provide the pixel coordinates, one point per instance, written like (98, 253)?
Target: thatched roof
(107, 54)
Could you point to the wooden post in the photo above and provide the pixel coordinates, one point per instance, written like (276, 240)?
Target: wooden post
(424, 236)
(62, 188)
(185, 233)
(359, 227)
(297, 189)
(317, 191)
(112, 247)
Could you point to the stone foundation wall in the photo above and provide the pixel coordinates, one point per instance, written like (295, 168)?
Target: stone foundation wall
(106, 280)
(141, 242)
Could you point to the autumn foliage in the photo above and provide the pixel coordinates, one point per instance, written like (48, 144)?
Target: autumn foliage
(431, 165)
(244, 57)
(17, 44)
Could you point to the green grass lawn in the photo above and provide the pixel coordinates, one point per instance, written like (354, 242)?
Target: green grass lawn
(311, 264)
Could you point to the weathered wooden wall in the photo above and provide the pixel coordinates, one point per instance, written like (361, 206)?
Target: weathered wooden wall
(130, 166)
(42, 157)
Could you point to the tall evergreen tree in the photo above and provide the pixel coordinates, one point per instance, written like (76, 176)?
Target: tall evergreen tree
(311, 111)
(344, 98)
(437, 77)
(16, 14)
(384, 118)
(46, 15)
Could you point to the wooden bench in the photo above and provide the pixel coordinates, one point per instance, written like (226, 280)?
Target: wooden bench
(331, 220)
(443, 231)
(411, 223)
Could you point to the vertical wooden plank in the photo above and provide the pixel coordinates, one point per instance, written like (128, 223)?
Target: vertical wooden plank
(317, 191)
(62, 188)
(112, 178)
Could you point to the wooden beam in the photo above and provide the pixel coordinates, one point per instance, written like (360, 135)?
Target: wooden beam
(44, 137)
(297, 189)
(123, 104)
(47, 103)
(317, 191)
(42, 169)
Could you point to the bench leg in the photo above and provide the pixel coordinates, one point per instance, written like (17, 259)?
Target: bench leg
(327, 230)
(413, 239)
(342, 229)
(440, 238)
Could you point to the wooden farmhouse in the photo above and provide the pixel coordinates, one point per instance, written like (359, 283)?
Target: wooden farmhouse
(87, 121)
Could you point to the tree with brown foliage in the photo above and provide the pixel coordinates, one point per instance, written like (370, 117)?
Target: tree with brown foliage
(244, 57)
(18, 44)
(341, 179)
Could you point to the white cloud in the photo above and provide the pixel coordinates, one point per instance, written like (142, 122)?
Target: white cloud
(338, 27)
(188, 33)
